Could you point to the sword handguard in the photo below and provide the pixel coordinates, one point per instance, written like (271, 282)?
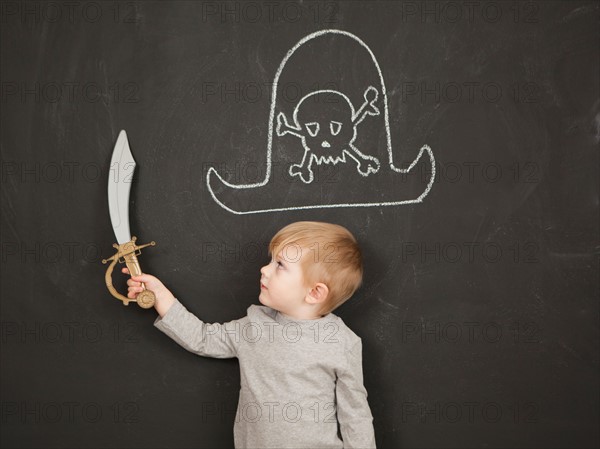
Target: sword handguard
(127, 253)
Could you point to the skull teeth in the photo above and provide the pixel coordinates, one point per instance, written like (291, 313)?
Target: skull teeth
(330, 159)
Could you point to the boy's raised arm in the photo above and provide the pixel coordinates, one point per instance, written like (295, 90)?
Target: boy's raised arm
(209, 340)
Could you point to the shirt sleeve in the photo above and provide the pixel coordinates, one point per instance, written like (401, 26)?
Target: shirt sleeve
(353, 412)
(210, 340)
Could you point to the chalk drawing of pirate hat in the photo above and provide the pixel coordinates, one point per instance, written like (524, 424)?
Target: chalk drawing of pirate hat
(329, 143)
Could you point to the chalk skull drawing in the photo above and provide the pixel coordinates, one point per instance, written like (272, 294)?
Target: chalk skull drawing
(339, 122)
(328, 133)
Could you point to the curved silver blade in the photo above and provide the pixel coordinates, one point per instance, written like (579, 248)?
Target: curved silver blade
(122, 166)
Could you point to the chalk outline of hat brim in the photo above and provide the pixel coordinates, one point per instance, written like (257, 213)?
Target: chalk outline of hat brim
(424, 148)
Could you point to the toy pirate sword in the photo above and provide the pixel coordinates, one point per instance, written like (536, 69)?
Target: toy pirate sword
(122, 166)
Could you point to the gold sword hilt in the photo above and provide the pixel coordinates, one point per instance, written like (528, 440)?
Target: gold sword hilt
(127, 253)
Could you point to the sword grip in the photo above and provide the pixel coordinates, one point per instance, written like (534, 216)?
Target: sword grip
(131, 259)
(146, 298)
(134, 266)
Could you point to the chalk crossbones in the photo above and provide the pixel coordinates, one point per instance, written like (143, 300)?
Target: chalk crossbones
(326, 122)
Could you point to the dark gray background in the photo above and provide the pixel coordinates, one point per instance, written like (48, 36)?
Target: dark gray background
(479, 310)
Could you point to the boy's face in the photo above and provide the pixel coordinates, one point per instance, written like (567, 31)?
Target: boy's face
(282, 282)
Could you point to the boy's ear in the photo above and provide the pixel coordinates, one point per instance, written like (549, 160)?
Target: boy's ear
(318, 293)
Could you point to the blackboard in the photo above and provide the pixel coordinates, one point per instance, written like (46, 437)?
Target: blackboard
(479, 309)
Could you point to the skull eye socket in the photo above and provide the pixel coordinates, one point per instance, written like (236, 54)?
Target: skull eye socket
(335, 127)
(312, 128)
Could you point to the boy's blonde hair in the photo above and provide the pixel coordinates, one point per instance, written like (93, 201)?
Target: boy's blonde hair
(328, 253)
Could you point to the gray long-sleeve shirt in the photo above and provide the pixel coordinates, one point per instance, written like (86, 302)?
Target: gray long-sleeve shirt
(299, 378)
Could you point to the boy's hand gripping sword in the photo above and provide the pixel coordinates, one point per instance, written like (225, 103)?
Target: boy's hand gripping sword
(119, 186)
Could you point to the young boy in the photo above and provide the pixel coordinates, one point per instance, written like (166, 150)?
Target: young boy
(300, 365)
